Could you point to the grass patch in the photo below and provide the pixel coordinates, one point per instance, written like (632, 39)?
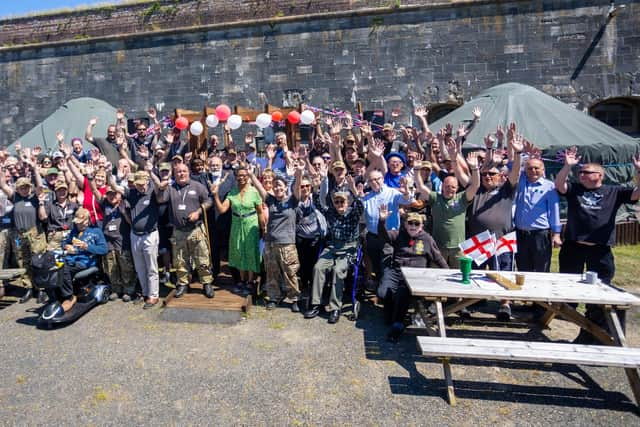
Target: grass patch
(626, 259)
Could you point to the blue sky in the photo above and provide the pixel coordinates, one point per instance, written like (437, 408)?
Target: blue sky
(22, 7)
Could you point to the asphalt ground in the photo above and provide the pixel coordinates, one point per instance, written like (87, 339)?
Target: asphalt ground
(121, 365)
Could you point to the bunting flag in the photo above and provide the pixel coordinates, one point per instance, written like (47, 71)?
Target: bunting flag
(507, 243)
(480, 247)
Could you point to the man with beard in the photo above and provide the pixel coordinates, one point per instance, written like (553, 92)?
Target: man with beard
(107, 146)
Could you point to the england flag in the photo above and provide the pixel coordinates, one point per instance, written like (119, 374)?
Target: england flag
(480, 247)
(507, 243)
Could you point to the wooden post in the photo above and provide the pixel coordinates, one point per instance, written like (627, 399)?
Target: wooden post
(618, 333)
(448, 377)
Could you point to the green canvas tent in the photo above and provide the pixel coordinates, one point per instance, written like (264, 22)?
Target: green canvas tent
(71, 118)
(551, 125)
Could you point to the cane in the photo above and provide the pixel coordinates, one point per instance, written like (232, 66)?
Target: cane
(206, 232)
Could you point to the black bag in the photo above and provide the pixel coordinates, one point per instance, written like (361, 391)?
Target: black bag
(46, 273)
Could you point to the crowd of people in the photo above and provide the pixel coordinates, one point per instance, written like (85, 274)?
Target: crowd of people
(289, 218)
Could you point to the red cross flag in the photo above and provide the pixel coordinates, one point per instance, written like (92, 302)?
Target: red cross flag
(507, 243)
(479, 247)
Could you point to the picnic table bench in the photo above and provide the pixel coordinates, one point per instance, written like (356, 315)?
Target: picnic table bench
(557, 293)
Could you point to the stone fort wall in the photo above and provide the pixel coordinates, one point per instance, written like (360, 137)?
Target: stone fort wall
(384, 54)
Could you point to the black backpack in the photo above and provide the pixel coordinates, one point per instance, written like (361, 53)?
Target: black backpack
(46, 273)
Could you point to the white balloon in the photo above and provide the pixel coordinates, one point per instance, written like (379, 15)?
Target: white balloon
(196, 128)
(234, 121)
(307, 117)
(212, 120)
(263, 120)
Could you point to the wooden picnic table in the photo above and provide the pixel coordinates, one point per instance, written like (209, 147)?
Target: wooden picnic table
(557, 293)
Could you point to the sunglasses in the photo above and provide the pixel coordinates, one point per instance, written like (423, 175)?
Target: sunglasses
(339, 202)
(489, 174)
(587, 172)
(414, 223)
(305, 186)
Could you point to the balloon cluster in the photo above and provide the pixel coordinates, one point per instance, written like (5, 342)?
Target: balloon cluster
(234, 121)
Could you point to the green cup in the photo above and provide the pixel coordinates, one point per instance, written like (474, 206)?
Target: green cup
(465, 269)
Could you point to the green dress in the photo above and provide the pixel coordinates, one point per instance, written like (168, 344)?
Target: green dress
(244, 238)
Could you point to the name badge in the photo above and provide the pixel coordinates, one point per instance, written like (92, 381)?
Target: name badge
(6, 220)
(191, 192)
(112, 227)
(146, 202)
(28, 204)
(182, 207)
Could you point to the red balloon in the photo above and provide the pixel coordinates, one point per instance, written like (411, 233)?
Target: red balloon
(293, 117)
(223, 112)
(182, 123)
(276, 116)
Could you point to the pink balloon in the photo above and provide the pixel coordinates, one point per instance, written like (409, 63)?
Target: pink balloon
(223, 112)
(182, 123)
(293, 117)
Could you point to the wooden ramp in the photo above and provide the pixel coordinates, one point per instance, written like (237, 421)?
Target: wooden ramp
(226, 307)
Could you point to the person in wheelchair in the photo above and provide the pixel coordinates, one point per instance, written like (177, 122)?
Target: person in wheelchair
(82, 248)
(412, 247)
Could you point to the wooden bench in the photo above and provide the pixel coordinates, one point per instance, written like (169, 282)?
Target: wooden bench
(523, 351)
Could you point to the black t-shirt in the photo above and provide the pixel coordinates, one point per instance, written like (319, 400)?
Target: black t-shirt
(108, 148)
(591, 215)
(491, 210)
(183, 201)
(281, 228)
(25, 212)
(60, 218)
(143, 209)
(115, 227)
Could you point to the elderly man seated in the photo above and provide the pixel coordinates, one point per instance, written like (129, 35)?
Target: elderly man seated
(82, 248)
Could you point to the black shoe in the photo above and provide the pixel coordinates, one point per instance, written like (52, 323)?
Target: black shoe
(126, 298)
(334, 316)
(271, 305)
(310, 314)
(208, 290)
(396, 331)
(295, 308)
(504, 313)
(42, 297)
(27, 296)
(180, 290)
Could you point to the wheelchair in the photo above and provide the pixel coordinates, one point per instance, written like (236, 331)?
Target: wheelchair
(89, 285)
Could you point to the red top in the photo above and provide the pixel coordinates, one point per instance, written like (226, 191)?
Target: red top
(90, 203)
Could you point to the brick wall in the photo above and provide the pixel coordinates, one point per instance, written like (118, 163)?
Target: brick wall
(385, 58)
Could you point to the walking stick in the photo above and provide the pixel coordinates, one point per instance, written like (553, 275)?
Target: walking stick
(206, 232)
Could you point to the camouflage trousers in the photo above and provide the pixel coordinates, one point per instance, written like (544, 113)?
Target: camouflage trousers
(118, 266)
(281, 264)
(23, 245)
(54, 240)
(190, 250)
(5, 245)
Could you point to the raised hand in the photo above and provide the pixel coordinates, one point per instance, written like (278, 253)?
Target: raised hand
(462, 131)
(151, 112)
(404, 186)
(571, 157)
(421, 111)
(93, 121)
(499, 134)
(365, 129)
(384, 212)
(477, 112)
(636, 161)
(377, 147)
(517, 144)
(452, 148)
(448, 129)
(270, 152)
(348, 121)
(488, 141)
(336, 128)
(511, 131)
(472, 160)
(120, 114)
(248, 138)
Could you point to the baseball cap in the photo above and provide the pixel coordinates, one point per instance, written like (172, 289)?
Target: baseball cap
(140, 177)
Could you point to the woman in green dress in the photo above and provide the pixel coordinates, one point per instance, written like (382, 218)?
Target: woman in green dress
(246, 210)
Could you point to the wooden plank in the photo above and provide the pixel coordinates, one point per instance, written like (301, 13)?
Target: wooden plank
(504, 282)
(632, 373)
(446, 367)
(569, 313)
(546, 287)
(535, 352)
(11, 273)
(454, 308)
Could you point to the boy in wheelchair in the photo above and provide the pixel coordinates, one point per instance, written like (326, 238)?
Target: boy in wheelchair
(82, 248)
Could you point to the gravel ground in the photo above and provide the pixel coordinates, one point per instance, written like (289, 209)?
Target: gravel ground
(120, 365)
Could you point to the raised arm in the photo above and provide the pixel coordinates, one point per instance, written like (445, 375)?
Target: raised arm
(222, 207)
(256, 183)
(571, 159)
(515, 147)
(88, 135)
(298, 179)
(374, 155)
(454, 155)
(3, 184)
(472, 189)
(75, 170)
